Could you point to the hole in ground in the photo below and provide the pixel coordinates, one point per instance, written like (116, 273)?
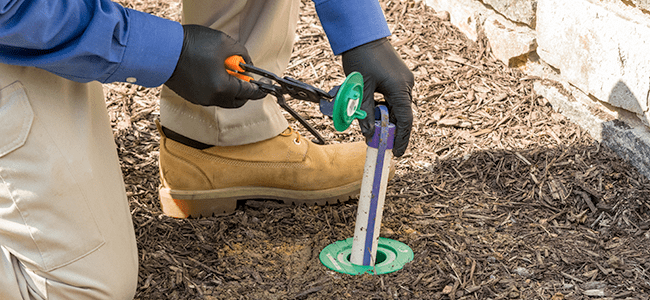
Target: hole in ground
(379, 258)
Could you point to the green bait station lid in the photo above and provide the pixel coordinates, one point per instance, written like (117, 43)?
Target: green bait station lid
(347, 103)
(391, 256)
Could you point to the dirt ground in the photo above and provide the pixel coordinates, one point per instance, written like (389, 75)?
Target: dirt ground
(499, 196)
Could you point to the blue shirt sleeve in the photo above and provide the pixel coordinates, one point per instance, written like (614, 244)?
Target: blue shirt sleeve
(351, 23)
(86, 40)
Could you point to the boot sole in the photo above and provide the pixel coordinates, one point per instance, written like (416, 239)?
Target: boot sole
(220, 202)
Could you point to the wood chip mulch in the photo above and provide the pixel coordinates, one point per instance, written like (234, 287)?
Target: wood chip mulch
(499, 196)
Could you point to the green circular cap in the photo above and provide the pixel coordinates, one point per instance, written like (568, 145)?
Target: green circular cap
(391, 256)
(347, 103)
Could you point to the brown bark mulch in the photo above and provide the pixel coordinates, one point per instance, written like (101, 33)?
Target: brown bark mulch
(499, 196)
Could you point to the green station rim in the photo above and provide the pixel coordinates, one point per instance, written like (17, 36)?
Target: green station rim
(347, 103)
(391, 256)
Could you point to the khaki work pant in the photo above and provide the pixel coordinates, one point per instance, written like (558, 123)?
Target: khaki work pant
(65, 227)
(267, 30)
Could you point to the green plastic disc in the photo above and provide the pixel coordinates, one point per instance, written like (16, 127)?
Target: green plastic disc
(391, 256)
(347, 103)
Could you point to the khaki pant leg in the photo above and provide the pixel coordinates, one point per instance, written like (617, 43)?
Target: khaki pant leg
(267, 29)
(65, 227)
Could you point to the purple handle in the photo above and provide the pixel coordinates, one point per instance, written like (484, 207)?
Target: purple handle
(382, 140)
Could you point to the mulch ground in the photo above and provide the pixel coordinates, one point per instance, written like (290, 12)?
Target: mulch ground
(499, 196)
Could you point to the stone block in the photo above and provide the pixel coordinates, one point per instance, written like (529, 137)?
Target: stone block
(522, 11)
(467, 15)
(507, 39)
(600, 48)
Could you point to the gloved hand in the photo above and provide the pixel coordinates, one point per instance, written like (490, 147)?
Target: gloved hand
(385, 72)
(200, 75)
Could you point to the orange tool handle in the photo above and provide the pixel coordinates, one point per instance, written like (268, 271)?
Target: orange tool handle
(233, 68)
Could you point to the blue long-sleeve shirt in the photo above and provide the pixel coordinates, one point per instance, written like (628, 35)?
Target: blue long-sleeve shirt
(87, 40)
(351, 23)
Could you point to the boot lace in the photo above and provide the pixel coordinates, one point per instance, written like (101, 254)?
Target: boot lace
(290, 132)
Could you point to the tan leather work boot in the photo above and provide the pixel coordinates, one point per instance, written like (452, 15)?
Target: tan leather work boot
(288, 168)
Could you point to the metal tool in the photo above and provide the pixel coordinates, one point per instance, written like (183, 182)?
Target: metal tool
(342, 103)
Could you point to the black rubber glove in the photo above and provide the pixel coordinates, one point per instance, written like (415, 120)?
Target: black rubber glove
(200, 75)
(385, 72)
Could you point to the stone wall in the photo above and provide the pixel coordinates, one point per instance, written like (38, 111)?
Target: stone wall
(600, 50)
(597, 49)
(521, 11)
